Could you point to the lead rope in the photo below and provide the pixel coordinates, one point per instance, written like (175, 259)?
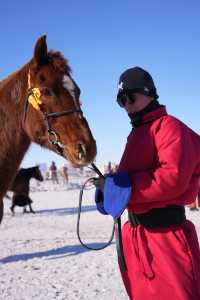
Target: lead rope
(79, 217)
(116, 226)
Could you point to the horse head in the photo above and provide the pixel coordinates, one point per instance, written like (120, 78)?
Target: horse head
(52, 115)
(36, 173)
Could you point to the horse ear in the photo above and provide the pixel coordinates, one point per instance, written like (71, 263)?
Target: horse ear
(41, 52)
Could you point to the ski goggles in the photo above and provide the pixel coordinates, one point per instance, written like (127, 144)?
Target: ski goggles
(125, 96)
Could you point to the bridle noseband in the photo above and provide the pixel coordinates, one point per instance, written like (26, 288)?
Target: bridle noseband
(34, 97)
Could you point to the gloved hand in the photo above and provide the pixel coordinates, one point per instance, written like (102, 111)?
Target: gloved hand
(99, 183)
(99, 199)
(117, 192)
(113, 193)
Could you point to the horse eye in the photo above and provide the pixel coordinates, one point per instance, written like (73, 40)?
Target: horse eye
(42, 78)
(46, 92)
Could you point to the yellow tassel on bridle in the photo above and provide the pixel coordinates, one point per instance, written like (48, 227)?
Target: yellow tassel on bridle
(35, 96)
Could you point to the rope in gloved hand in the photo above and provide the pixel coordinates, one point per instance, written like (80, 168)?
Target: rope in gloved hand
(116, 226)
(92, 179)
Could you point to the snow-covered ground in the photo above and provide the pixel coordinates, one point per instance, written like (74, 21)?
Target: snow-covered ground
(41, 257)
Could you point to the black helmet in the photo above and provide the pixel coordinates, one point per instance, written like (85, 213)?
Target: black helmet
(137, 80)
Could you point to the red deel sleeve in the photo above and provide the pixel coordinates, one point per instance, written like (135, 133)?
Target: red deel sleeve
(177, 160)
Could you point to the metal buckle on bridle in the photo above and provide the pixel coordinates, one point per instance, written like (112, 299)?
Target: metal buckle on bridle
(53, 139)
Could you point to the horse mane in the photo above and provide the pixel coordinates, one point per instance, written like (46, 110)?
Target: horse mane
(59, 62)
(9, 78)
(55, 58)
(24, 172)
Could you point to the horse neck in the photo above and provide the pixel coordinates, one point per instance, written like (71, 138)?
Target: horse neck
(14, 142)
(30, 173)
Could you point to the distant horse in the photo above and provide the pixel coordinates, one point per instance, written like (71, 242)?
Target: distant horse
(40, 103)
(21, 187)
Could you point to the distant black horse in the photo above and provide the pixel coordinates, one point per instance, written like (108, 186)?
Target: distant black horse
(20, 187)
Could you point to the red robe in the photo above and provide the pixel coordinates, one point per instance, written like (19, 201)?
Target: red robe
(163, 158)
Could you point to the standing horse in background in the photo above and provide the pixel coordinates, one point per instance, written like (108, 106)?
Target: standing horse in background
(40, 103)
(21, 187)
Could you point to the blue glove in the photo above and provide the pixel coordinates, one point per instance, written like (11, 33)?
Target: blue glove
(117, 192)
(99, 201)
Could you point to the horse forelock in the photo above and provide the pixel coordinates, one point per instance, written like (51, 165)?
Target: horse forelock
(58, 61)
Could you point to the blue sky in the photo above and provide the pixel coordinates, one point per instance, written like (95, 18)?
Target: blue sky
(101, 39)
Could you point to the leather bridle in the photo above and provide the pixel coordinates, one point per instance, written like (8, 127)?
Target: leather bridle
(53, 137)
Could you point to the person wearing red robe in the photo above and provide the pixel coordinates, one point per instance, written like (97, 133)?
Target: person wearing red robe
(157, 176)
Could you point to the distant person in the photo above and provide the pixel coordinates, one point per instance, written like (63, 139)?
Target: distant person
(109, 168)
(114, 169)
(47, 175)
(53, 172)
(81, 171)
(64, 174)
(194, 205)
(157, 176)
(198, 195)
(198, 198)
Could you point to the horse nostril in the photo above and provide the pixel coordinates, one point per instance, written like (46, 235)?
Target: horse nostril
(81, 150)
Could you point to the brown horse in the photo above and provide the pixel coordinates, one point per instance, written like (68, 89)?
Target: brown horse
(40, 103)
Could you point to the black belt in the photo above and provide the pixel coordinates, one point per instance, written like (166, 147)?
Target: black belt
(159, 217)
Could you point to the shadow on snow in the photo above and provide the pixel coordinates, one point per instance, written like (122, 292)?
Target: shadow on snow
(67, 210)
(56, 253)
(58, 211)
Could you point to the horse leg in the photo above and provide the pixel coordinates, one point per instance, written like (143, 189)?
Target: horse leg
(31, 209)
(12, 209)
(13, 205)
(1, 210)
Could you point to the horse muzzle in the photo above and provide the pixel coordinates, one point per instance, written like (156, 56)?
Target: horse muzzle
(81, 154)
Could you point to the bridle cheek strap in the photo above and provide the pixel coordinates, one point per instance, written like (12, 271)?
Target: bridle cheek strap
(35, 100)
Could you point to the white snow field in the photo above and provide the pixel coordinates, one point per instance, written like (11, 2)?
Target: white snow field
(41, 257)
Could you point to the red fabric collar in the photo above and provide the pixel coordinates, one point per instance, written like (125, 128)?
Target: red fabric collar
(155, 114)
